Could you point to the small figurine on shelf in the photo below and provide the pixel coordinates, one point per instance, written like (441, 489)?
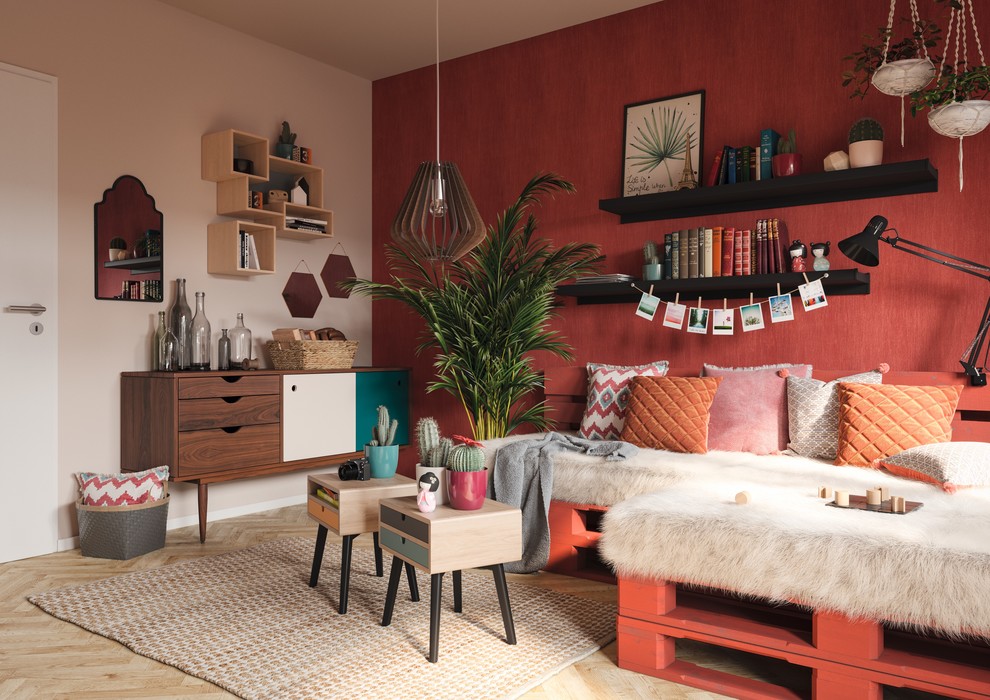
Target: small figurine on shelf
(426, 499)
(798, 251)
(820, 253)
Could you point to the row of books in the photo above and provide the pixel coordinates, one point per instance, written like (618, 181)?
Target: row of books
(141, 289)
(746, 163)
(724, 251)
(301, 223)
(248, 252)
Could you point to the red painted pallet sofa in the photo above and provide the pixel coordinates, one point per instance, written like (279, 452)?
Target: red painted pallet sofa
(843, 658)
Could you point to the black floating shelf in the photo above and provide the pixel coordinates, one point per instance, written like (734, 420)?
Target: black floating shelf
(891, 180)
(137, 266)
(838, 282)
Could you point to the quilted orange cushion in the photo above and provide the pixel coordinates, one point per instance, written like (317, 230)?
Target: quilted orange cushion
(881, 420)
(670, 413)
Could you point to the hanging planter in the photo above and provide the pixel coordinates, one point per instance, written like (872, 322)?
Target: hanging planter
(960, 119)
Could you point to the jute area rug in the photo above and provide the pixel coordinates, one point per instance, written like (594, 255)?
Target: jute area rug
(249, 622)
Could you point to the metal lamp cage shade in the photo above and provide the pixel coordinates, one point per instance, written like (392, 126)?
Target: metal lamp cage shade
(440, 237)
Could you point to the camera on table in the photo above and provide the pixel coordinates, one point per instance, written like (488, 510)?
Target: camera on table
(354, 470)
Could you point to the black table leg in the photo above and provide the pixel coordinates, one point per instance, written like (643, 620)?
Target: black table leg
(436, 591)
(393, 588)
(457, 591)
(345, 571)
(413, 586)
(378, 555)
(498, 571)
(321, 543)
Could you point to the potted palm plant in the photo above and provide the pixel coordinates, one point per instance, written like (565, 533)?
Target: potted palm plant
(383, 456)
(467, 478)
(488, 311)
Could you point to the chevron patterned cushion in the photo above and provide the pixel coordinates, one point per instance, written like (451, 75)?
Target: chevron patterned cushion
(608, 396)
(670, 413)
(948, 465)
(881, 420)
(813, 413)
(122, 489)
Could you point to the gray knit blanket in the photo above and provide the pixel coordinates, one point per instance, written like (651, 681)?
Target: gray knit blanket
(523, 477)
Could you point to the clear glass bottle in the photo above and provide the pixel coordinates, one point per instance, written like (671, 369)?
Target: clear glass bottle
(223, 350)
(180, 323)
(201, 336)
(156, 342)
(240, 342)
(168, 353)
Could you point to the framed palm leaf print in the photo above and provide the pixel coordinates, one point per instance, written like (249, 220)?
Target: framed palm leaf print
(658, 138)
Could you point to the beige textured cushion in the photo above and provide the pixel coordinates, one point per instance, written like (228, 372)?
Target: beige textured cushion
(670, 413)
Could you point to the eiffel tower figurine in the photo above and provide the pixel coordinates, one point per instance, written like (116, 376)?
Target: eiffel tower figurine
(688, 181)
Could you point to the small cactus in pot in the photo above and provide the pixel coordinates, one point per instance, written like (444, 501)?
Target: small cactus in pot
(787, 161)
(433, 453)
(865, 143)
(651, 261)
(383, 456)
(286, 140)
(467, 478)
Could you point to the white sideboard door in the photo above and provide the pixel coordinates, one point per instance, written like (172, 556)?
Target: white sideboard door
(318, 415)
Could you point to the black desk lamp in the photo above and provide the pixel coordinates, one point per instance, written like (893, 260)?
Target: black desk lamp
(863, 248)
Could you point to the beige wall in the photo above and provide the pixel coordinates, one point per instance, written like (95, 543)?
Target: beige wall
(139, 83)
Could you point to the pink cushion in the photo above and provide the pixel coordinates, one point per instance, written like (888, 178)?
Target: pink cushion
(749, 413)
(122, 489)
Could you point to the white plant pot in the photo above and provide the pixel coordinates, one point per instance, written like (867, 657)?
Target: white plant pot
(899, 78)
(441, 474)
(958, 119)
(865, 153)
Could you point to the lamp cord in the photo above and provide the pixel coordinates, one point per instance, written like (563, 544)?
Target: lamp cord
(437, 37)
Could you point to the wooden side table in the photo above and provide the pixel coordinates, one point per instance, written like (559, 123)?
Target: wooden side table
(450, 540)
(355, 513)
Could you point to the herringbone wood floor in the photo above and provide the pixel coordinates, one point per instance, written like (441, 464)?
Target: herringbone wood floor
(42, 657)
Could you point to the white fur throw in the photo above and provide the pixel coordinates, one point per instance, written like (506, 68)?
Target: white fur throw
(926, 569)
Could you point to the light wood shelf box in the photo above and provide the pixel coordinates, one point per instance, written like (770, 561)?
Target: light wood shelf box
(223, 248)
(284, 209)
(220, 149)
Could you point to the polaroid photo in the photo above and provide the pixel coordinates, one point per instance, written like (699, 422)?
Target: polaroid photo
(698, 320)
(648, 305)
(674, 316)
(722, 321)
(781, 309)
(751, 317)
(813, 295)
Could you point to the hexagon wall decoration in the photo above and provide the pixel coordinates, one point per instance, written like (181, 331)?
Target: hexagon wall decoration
(302, 295)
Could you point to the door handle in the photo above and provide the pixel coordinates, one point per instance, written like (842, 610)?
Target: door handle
(33, 309)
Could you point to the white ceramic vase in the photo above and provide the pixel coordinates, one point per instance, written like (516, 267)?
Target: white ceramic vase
(441, 474)
(865, 153)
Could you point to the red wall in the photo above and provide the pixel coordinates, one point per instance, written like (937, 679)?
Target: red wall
(556, 103)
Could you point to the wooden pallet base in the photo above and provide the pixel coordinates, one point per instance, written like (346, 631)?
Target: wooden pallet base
(575, 529)
(846, 658)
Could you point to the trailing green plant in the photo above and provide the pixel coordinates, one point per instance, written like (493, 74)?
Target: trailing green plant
(650, 256)
(787, 144)
(486, 313)
(870, 55)
(865, 129)
(440, 454)
(286, 136)
(466, 457)
(972, 83)
(427, 437)
(660, 142)
(383, 433)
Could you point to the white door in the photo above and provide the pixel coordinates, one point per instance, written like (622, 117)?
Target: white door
(318, 415)
(28, 342)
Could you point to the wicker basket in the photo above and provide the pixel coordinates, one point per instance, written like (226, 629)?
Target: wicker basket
(122, 532)
(312, 354)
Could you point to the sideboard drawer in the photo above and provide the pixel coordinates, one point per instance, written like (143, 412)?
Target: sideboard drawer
(203, 414)
(237, 385)
(203, 451)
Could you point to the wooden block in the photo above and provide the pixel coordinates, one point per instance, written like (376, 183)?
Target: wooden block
(884, 492)
(897, 504)
(842, 498)
(285, 335)
(743, 497)
(824, 491)
(873, 497)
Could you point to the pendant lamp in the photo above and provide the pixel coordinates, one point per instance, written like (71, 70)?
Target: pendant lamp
(438, 219)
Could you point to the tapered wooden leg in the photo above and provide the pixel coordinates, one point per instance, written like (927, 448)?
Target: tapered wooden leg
(503, 602)
(321, 543)
(436, 592)
(345, 571)
(457, 591)
(202, 497)
(378, 555)
(393, 588)
(413, 586)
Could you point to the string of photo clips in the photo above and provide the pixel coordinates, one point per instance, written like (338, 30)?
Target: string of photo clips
(722, 321)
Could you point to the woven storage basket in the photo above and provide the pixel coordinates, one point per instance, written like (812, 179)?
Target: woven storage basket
(312, 354)
(122, 532)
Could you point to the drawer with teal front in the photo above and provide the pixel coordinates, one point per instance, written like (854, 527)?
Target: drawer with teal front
(404, 547)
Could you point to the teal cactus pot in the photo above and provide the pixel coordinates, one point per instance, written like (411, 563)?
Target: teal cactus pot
(383, 460)
(466, 490)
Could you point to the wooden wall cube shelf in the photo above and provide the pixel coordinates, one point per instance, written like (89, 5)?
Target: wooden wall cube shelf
(223, 254)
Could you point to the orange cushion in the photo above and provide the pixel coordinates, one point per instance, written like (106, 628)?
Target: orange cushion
(881, 420)
(670, 413)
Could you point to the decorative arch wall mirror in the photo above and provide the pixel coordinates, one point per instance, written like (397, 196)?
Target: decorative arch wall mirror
(128, 237)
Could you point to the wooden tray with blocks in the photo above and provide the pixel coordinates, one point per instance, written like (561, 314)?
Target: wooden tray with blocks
(859, 503)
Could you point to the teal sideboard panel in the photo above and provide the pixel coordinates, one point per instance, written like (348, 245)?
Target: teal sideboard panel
(389, 388)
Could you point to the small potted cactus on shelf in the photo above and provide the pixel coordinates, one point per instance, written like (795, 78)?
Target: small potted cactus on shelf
(651, 261)
(787, 160)
(434, 451)
(865, 143)
(383, 456)
(286, 141)
(467, 478)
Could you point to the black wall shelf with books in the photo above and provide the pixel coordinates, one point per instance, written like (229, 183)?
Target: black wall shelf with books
(838, 282)
(889, 180)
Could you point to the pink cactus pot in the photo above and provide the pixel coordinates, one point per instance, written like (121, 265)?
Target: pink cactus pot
(466, 490)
